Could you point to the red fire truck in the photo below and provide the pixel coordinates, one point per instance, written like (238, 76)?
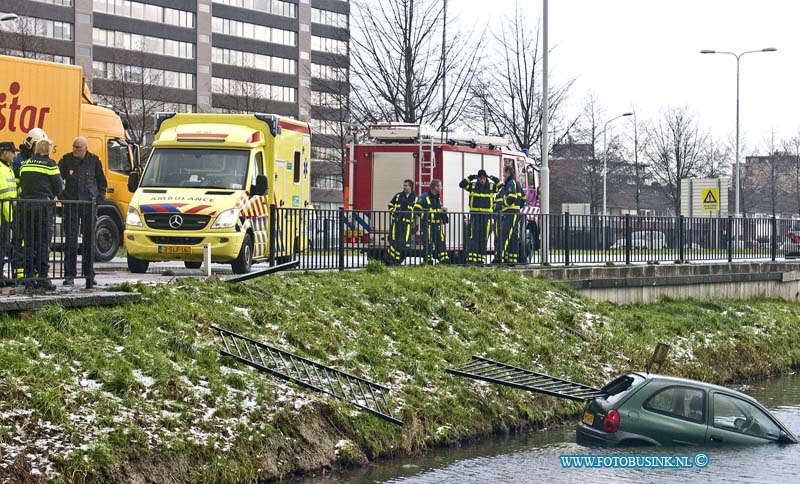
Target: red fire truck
(394, 152)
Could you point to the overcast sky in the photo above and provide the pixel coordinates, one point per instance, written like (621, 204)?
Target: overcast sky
(645, 53)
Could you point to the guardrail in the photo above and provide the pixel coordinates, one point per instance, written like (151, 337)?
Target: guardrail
(35, 245)
(349, 239)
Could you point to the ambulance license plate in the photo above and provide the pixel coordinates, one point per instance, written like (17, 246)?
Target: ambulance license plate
(588, 418)
(174, 249)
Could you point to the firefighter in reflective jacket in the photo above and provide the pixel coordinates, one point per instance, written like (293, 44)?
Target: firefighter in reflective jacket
(8, 192)
(481, 202)
(510, 198)
(432, 216)
(401, 207)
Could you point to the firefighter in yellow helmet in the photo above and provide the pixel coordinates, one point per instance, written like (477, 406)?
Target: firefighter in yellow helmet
(433, 216)
(510, 198)
(401, 207)
(8, 192)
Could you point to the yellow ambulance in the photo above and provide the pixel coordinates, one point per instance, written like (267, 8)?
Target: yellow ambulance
(211, 179)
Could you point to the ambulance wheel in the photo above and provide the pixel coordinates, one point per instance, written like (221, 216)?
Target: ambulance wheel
(190, 264)
(137, 266)
(106, 239)
(244, 261)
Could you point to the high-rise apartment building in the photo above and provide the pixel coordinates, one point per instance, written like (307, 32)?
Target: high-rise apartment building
(288, 57)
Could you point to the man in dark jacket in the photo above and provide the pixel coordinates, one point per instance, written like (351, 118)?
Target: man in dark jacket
(84, 180)
(401, 207)
(481, 190)
(432, 214)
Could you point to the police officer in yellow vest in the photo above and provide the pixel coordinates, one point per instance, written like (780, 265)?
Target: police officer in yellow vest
(482, 191)
(510, 198)
(8, 192)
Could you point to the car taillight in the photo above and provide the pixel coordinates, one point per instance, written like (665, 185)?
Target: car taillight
(611, 422)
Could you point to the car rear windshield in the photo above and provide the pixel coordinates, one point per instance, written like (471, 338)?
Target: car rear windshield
(620, 386)
(196, 168)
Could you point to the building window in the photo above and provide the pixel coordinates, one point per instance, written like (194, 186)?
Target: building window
(38, 27)
(253, 61)
(135, 105)
(145, 43)
(326, 17)
(326, 44)
(275, 7)
(325, 153)
(64, 3)
(257, 90)
(324, 126)
(142, 11)
(246, 30)
(327, 182)
(329, 73)
(326, 99)
(147, 75)
(61, 59)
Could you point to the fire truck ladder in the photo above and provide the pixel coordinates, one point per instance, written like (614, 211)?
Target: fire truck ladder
(364, 394)
(426, 159)
(502, 374)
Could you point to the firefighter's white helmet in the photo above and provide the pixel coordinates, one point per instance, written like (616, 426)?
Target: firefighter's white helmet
(34, 136)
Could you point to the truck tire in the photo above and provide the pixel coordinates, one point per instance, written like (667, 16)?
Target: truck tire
(137, 266)
(106, 239)
(244, 262)
(190, 264)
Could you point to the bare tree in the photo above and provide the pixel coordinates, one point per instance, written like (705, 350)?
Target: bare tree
(720, 156)
(22, 37)
(399, 65)
(675, 149)
(136, 92)
(513, 99)
(792, 147)
(636, 170)
(330, 102)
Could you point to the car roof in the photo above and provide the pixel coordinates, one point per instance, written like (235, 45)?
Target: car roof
(687, 381)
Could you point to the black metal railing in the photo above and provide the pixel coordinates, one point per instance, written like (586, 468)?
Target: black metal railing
(42, 240)
(350, 239)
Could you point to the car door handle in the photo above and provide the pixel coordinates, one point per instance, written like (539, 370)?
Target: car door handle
(714, 438)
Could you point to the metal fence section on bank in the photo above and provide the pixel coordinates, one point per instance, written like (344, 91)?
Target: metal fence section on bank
(39, 238)
(350, 239)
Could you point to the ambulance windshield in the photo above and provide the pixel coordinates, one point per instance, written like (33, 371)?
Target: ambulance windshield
(197, 168)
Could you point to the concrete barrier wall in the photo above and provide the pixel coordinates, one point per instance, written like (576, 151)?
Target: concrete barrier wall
(652, 283)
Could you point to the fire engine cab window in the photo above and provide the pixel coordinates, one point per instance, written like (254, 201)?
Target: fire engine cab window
(119, 159)
(531, 177)
(197, 168)
(297, 167)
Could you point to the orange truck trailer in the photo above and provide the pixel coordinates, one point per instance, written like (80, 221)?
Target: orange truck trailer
(56, 98)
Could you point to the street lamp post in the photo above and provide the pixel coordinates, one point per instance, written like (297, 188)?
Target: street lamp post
(738, 56)
(605, 157)
(605, 171)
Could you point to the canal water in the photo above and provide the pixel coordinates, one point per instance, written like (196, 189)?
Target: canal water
(534, 457)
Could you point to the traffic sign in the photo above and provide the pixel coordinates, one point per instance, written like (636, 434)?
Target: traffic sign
(710, 199)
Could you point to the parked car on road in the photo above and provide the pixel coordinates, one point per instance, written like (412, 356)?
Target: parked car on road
(648, 409)
(644, 239)
(791, 248)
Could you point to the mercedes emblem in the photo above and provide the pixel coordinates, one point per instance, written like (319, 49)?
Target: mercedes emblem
(176, 221)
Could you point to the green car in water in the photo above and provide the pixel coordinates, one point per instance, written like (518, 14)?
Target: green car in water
(647, 409)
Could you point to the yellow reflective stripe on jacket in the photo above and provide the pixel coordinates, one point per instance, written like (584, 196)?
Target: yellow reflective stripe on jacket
(46, 170)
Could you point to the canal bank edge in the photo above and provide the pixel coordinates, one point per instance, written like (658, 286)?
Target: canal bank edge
(139, 393)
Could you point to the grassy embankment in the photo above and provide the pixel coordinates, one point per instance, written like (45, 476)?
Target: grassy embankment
(140, 392)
